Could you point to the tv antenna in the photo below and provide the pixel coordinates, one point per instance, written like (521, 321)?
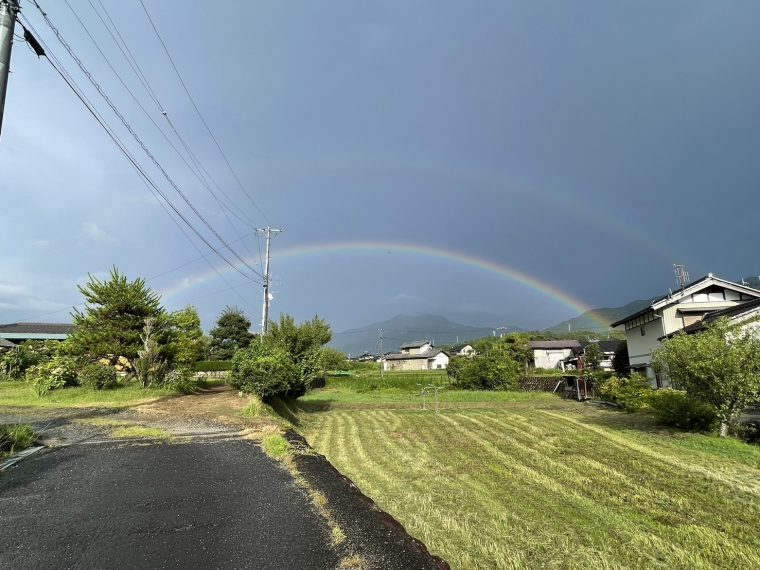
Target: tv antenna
(682, 275)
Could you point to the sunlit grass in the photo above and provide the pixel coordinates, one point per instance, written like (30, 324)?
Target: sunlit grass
(542, 483)
(20, 394)
(140, 432)
(275, 446)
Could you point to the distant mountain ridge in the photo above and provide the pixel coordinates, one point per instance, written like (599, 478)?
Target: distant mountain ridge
(406, 328)
(588, 321)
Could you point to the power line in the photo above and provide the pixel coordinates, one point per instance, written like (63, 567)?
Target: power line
(201, 170)
(131, 130)
(155, 190)
(200, 115)
(166, 137)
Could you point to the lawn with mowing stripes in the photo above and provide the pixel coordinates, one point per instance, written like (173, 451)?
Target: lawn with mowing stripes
(550, 484)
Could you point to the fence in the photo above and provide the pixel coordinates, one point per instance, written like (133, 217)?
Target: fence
(538, 383)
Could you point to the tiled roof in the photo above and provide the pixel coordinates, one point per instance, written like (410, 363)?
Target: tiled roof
(414, 344)
(37, 328)
(427, 354)
(6, 343)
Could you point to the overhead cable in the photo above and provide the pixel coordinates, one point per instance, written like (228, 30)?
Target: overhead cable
(131, 130)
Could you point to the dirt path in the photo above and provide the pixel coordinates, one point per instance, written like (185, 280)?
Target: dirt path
(214, 412)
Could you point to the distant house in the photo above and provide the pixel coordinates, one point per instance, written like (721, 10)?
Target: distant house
(19, 332)
(5, 345)
(682, 309)
(366, 357)
(418, 355)
(463, 350)
(549, 354)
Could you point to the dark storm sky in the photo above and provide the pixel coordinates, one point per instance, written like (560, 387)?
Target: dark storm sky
(586, 146)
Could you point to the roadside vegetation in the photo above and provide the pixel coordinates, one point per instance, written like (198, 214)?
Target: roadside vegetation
(126, 348)
(15, 438)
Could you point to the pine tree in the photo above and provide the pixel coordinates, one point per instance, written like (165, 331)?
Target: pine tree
(113, 318)
(230, 333)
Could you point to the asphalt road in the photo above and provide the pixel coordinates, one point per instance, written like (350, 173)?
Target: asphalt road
(193, 505)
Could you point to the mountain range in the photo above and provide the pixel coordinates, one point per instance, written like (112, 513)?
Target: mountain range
(440, 330)
(406, 328)
(589, 321)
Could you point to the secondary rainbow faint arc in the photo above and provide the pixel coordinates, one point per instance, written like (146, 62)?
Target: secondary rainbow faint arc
(415, 249)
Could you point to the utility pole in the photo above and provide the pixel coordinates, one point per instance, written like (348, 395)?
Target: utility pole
(8, 11)
(382, 363)
(267, 296)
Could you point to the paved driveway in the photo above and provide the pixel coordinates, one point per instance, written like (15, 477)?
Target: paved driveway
(207, 498)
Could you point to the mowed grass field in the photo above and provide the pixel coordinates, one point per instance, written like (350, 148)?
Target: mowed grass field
(532, 481)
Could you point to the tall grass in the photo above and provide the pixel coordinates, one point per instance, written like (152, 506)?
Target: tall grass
(15, 437)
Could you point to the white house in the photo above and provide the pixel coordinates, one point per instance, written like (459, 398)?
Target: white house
(683, 308)
(418, 355)
(463, 350)
(550, 353)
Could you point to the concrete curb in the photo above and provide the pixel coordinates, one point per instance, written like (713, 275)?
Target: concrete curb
(21, 455)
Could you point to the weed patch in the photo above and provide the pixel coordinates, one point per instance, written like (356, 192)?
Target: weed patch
(275, 446)
(16, 437)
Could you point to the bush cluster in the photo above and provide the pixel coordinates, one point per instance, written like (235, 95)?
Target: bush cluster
(264, 370)
(484, 372)
(631, 393)
(98, 377)
(677, 408)
(58, 372)
(285, 362)
(182, 379)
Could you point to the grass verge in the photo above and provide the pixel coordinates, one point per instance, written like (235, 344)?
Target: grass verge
(545, 483)
(20, 394)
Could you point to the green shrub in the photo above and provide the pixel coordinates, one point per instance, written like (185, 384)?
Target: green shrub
(631, 393)
(98, 377)
(677, 408)
(496, 371)
(264, 370)
(15, 362)
(52, 374)
(183, 380)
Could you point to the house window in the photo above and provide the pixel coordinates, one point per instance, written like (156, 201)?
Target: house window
(643, 331)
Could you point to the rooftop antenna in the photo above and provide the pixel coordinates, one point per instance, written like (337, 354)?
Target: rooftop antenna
(682, 275)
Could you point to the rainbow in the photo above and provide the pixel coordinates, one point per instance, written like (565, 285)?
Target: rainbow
(489, 266)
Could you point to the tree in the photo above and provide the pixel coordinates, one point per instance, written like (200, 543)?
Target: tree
(299, 339)
(230, 333)
(185, 342)
(592, 356)
(113, 318)
(493, 370)
(719, 366)
(290, 354)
